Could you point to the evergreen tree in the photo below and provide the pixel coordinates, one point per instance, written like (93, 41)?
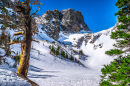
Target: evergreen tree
(4, 39)
(57, 51)
(53, 49)
(58, 48)
(50, 47)
(66, 55)
(71, 58)
(118, 71)
(62, 53)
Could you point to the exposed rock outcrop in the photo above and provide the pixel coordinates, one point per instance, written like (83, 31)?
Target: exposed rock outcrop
(68, 21)
(73, 21)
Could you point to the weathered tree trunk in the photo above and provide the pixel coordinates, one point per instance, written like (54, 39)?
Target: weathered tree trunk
(26, 44)
(25, 52)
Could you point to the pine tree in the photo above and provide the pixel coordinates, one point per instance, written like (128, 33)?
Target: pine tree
(66, 55)
(118, 71)
(53, 49)
(58, 48)
(71, 58)
(50, 47)
(4, 39)
(62, 53)
(57, 51)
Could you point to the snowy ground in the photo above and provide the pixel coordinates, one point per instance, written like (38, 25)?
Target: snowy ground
(48, 70)
(9, 78)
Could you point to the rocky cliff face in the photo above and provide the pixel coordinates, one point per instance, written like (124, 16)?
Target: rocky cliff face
(69, 21)
(72, 21)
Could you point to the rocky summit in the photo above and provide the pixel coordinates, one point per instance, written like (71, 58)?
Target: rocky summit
(68, 21)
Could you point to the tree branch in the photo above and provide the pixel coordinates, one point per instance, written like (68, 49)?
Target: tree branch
(18, 33)
(15, 42)
(36, 41)
(36, 11)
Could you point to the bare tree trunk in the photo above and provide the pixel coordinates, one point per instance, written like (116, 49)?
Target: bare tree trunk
(26, 44)
(25, 52)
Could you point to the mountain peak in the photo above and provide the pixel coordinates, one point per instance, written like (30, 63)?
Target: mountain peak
(69, 21)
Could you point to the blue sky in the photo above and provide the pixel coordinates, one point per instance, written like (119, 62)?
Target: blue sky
(98, 14)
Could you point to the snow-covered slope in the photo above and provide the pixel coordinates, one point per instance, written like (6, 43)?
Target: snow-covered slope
(42, 35)
(53, 71)
(48, 70)
(96, 51)
(93, 45)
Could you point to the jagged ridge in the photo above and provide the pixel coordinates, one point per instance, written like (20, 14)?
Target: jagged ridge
(69, 21)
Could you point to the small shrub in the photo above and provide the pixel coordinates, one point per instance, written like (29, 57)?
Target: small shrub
(71, 58)
(16, 58)
(80, 52)
(50, 47)
(53, 42)
(75, 51)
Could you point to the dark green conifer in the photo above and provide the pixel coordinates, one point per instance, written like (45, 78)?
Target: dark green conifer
(71, 58)
(118, 71)
(66, 55)
(62, 53)
(57, 52)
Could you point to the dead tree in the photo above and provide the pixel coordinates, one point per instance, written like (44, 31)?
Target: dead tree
(27, 29)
